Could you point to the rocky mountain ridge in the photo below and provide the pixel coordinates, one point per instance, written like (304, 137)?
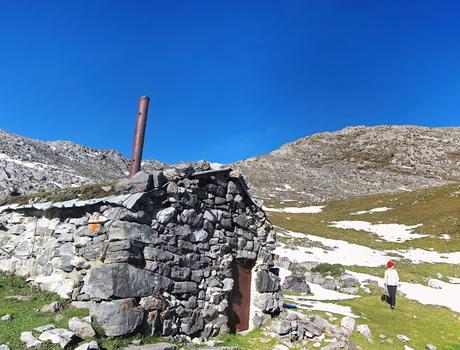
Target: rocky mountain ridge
(356, 161)
(331, 165)
(32, 165)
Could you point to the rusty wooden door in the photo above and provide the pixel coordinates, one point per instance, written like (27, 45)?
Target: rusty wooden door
(241, 297)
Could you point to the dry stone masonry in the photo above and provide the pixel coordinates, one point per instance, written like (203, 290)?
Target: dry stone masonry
(160, 257)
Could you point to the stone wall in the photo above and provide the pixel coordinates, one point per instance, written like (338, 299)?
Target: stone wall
(156, 258)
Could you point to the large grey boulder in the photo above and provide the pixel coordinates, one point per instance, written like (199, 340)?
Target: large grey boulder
(269, 302)
(118, 317)
(57, 336)
(140, 182)
(123, 281)
(296, 285)
(4, 347)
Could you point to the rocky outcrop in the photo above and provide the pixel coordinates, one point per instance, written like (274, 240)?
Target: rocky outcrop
(31, 165)
(356, 161)
(160, 260)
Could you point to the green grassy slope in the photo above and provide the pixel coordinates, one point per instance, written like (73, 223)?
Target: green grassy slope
(438, 210)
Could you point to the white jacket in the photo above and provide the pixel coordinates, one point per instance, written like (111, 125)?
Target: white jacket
(391, 277)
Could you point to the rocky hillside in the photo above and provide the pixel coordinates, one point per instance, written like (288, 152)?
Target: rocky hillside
(31, 165)
(356, 161)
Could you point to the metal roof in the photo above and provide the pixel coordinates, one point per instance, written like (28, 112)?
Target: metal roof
(127, 200)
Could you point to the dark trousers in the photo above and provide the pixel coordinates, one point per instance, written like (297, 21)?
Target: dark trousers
(392, 295)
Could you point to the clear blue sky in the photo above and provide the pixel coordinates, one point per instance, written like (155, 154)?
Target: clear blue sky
(227, 79)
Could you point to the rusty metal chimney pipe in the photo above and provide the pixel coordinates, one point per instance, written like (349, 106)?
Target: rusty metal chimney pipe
(138, 144)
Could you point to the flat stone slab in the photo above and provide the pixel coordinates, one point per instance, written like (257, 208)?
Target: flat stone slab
(157, 346)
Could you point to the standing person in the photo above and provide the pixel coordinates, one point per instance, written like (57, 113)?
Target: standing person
(391, 281)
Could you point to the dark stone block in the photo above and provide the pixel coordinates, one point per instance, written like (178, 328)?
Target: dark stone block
(180, 273)
(185, 288)
(123, 281)
(267, 282)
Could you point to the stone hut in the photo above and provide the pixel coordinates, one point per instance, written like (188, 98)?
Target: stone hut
(185, 252)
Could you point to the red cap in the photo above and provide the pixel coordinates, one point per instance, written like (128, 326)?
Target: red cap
(390, 264)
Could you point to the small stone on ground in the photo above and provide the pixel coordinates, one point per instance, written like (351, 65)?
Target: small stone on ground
(53, 307)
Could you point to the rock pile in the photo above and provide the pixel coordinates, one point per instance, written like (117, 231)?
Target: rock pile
(159, 257)
(295, 326)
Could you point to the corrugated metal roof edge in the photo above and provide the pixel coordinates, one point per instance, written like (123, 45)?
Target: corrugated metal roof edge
(126, 200)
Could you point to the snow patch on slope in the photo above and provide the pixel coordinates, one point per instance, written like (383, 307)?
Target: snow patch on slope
(396, 233)
(314, 209)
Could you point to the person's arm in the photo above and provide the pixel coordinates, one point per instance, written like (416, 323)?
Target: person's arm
(397, 277)
(385, 278)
